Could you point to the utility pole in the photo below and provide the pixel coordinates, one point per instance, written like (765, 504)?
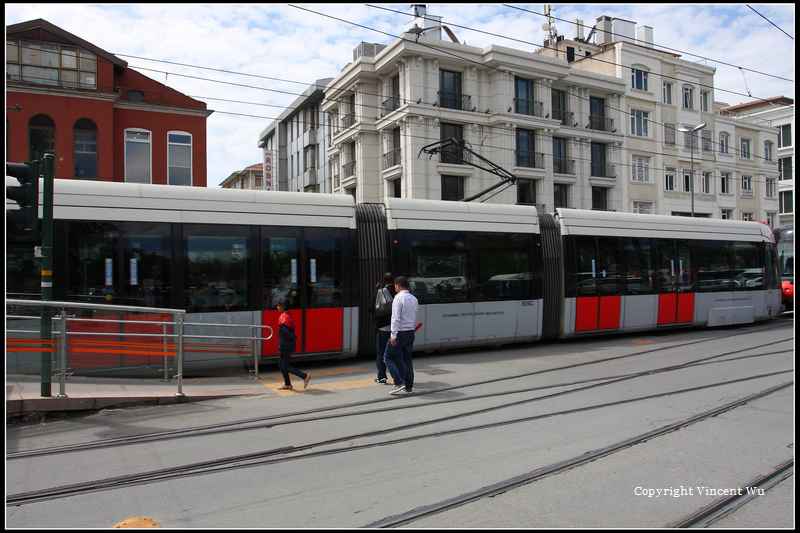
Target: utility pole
(45, 326)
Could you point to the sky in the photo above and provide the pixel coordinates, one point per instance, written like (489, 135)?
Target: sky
(248, 62)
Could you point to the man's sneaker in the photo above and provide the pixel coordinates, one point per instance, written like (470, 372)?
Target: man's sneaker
(399, 390)
(408, 391)
(382, 381)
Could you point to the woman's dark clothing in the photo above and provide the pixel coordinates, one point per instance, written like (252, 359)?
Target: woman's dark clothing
(287, 344)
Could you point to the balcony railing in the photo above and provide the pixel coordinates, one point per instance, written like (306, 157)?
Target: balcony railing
(567, 118)
(562, 165)
(390, 104)
(528, 107)
(349, 169)
(601, 123)
(391, 159)
(528, 159)
(348, 120)
(455, 101)
(603, 170)
(454, 155)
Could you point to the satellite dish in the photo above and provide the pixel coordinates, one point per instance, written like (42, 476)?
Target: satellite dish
(546, 26)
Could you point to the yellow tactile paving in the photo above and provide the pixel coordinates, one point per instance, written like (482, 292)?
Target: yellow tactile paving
(274, 380)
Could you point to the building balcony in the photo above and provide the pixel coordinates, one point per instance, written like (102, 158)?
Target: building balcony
(528, 159)
(349, 169)
(391, 159)
(459, 101)
(348, 120)
(528, 107)
(563, 165)
(567, 118)
(390, 104)
(603, 170)
(454, 155)
(601, 124)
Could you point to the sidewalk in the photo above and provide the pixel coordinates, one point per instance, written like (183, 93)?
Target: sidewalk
(23, 392)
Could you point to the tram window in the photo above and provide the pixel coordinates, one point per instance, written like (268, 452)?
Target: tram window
(147, 278)
(216, 268)
(23, 272)
(640, 268)
(748, 268)
(324, 275)
(608, 266)
(504, 266)
(280, 260)
(437, 263)
(586, 264)
(93, 262)
(686, 271)
(713, 266)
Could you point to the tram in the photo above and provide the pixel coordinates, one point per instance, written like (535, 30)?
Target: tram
(784, 244)
(484, 274)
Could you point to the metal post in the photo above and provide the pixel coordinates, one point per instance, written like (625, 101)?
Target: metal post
(164, 342)
(691, 184)
(179, 320)
(254, 350)
(62, 355)
(47, 270)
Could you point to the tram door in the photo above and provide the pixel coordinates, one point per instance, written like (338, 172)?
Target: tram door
(677, 275)
(305, 267)
(598, 301)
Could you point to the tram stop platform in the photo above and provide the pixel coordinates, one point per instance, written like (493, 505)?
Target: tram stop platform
(23, 392)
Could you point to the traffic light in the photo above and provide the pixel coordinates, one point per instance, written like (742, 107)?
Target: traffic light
(26, 194)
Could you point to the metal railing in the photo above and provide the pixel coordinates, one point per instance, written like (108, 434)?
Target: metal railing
(31, 340)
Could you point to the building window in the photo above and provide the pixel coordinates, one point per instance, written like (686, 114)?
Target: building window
(747, 183)
(643, 208)
(785, 168)
(724, 143)
(669, 179)
(638, 79)
(452, 188)
(525, 153)
(639, 122)
(667, 90)
(786, 202)
(137, 156)
(772, 188)
(748, 216)
(705, 182)
(784, 135)
(559, 100)
(84, 135)
(670, 134)
(704, 101)
(41, 137)
(523, 100)
(560, 195)
(450, 89)
(688, 98)
(50, 64)
(600, 198)
(640, 169)
(725, 183)
(744, 152)
(687, 180)
(708, 144)
(526, 191)
(179, 158)
(768, 150)
(726, 214)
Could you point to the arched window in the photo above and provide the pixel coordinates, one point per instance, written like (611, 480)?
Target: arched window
(41, 137)
(84, 135)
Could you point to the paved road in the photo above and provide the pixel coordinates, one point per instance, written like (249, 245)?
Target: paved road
(354, 456)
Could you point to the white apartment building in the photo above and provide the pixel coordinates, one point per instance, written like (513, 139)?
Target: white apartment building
(555, 128)
(606, 122)
(294, 145)
(779, 113)
(251, 177)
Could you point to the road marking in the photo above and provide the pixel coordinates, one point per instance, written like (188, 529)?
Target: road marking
(275, 380)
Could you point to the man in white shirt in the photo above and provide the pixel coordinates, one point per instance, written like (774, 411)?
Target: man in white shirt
(401, 342)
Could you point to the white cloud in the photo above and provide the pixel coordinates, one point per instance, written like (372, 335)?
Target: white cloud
(289, 48)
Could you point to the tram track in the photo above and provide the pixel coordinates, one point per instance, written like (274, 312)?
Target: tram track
(303, 416)
(291, 453)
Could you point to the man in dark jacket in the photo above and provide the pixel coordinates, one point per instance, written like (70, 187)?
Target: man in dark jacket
(384, 327)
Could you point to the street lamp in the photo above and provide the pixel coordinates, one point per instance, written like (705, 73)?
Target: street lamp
(692, 132)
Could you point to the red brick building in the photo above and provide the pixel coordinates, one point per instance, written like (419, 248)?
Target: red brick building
(103, 120)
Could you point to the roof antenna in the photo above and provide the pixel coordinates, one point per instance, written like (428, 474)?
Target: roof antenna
(745, 83)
